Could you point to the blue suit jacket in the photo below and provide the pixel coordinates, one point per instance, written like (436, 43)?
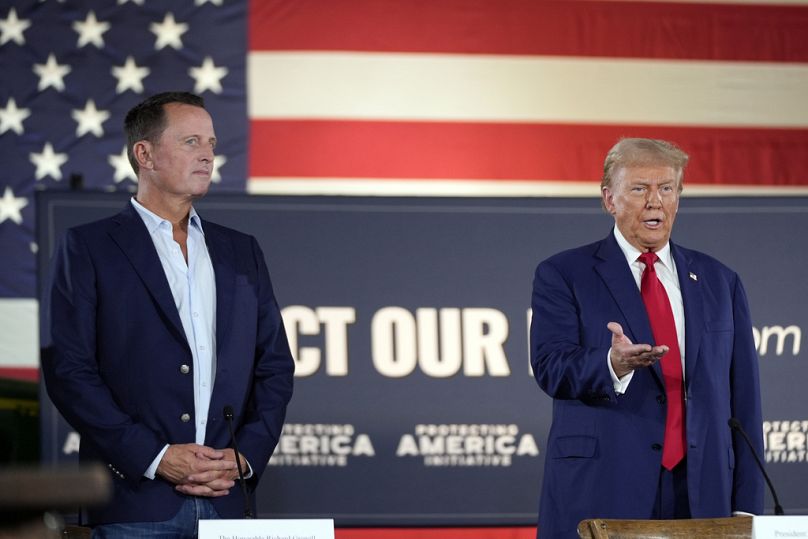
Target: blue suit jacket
(113, 367)
(603, 454)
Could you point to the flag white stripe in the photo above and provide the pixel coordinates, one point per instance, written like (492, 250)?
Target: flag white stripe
(19, 333)
(417, 187)
(488, 88)
(477, 188)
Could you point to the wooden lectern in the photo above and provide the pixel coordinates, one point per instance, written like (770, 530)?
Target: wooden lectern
(717, 528)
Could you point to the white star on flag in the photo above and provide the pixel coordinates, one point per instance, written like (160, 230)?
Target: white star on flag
(138, 2)
(11, 117)
(214, 2)
(208, 76)
(130, 76)
(51, 74)
(169, 32)
(10, 206)
(123, 169)
(11, 28)
(218, 162)
(48, 163)
(91, 30)
(90, 119)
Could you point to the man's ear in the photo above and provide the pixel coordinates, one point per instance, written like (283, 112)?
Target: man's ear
(608, 199)
(142, 151)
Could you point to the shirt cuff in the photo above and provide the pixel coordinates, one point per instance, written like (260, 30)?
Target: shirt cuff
(151, 471)
(620, 384)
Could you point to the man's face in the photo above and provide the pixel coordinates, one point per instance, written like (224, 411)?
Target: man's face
(182, 158)
(643, 201)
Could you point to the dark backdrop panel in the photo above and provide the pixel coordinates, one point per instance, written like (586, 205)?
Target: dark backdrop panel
(374, 440)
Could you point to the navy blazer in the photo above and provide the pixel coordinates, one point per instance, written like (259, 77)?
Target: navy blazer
(114, 364)
(603, 453)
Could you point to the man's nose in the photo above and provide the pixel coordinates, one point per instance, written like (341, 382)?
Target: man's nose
(654, 199)
(207, 154)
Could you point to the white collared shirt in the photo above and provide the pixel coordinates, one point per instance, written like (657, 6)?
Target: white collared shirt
(666, 272)
(193, 286)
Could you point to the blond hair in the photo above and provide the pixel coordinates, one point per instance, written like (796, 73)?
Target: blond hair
(633, 152)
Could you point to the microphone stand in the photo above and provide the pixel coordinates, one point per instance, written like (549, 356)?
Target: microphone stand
(735, 425)
(228, 416)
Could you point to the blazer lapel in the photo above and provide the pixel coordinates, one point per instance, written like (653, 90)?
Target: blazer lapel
(133, 239)
(221, 256)
(617, 277)
(694, 308)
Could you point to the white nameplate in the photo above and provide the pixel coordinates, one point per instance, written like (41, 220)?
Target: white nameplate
(262, 528)
(780, 527)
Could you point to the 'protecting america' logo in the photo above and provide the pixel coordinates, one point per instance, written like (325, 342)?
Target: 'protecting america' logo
(475, 445)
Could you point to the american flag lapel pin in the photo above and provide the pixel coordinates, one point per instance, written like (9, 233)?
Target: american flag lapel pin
(694, 276)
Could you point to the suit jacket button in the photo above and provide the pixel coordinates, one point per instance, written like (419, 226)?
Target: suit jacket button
(185, 418)
(660, 399)
(185, 369)
(656, 447)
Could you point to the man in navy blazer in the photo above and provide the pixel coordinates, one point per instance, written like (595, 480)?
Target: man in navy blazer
(593, 352)
(158, 321)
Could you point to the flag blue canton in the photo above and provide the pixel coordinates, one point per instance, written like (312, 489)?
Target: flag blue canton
(71, 70)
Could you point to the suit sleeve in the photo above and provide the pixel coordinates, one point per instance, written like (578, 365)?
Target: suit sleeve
(71, 369)
(273, 376)
(565, 366)
(747, 488)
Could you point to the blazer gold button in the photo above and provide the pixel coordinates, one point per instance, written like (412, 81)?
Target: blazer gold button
(185, 369)
(185, 418)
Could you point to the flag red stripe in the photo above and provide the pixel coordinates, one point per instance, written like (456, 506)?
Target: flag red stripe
(30, 374)
(529, 27)
(433, 150)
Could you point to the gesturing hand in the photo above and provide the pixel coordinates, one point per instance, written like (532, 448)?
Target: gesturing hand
(627, 356)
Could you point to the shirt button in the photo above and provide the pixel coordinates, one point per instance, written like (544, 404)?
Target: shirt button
(185, 418)
(196, 315)
(185, 369)
(201, 347)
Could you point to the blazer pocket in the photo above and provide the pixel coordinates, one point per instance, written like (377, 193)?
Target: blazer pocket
(574, 447)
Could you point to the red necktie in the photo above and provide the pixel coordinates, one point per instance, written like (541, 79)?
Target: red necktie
(664, 330)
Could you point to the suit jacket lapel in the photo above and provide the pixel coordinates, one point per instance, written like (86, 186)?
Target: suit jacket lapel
(617, 276)
(221, 256)
(694, 308)
(133, 239)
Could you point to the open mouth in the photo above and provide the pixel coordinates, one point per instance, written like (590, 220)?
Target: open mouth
(653, 222)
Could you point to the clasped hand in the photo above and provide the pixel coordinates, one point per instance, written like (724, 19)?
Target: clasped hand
(198, 470)
(627, 356)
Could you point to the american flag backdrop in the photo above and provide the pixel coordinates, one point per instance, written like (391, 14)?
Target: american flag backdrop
(394, 97)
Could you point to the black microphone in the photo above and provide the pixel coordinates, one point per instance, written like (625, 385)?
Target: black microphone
(228, 416)
(734, 424)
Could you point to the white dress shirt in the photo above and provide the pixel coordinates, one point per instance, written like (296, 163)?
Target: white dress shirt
(193, 286)
(666, 272)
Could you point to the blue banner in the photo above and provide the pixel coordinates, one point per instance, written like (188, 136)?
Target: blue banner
(414, 402)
